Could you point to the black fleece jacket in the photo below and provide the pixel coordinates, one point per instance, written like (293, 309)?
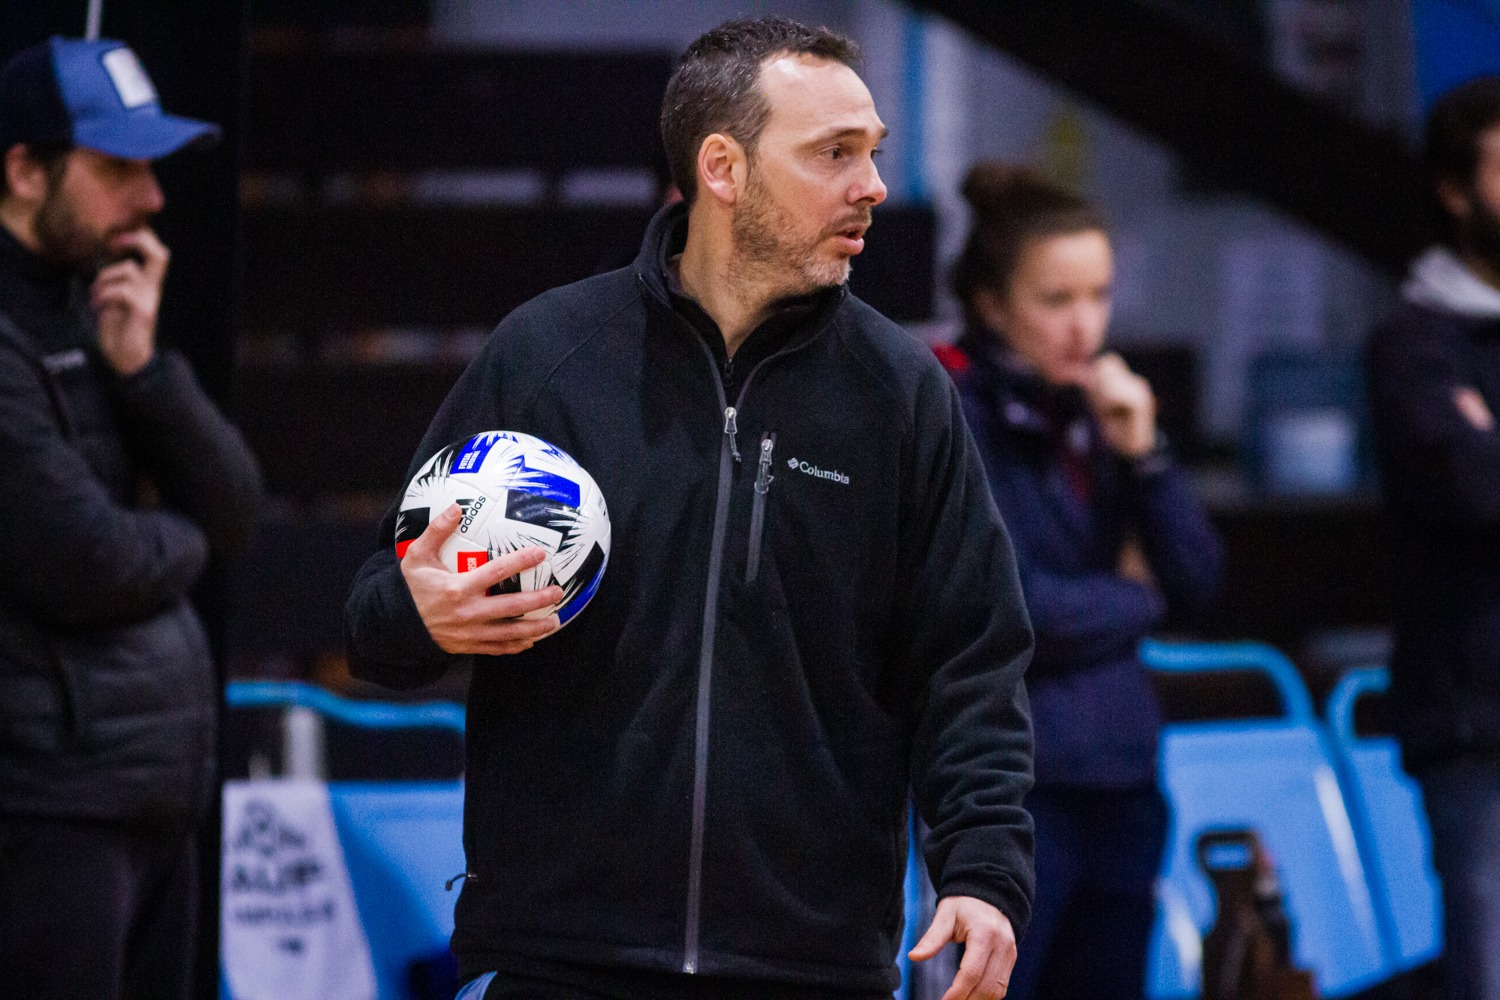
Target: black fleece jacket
(708, 770)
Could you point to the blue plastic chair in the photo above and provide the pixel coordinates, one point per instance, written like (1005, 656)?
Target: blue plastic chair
(402, 840)
(1386, 807)
(1275, 776)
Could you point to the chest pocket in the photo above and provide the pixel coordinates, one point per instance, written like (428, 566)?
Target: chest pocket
(764, 477)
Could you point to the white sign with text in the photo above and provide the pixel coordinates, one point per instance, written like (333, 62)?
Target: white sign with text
(288, 919)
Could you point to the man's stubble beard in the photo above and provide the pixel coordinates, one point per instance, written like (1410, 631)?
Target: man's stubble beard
(767, 252)
(63, 239)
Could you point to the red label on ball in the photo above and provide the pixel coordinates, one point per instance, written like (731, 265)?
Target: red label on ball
(472, 560)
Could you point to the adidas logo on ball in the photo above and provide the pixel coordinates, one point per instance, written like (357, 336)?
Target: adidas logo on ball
(807, 469)
(470, 510)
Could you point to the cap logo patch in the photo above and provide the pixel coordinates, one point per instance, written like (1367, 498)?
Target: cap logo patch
(129, 78)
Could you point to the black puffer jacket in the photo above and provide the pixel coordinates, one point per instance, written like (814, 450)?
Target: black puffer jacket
(707, 770)
(107, 691)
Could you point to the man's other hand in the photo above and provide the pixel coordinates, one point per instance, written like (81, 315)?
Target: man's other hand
(457, 608)
(989, 947)
(126, 297)
(1473, 408)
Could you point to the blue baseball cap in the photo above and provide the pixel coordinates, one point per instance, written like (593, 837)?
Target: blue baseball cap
(92, 94)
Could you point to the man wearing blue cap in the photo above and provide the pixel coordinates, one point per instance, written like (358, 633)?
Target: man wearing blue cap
(119, 477)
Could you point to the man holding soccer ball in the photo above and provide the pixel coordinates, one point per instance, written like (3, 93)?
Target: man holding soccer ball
(699, 787)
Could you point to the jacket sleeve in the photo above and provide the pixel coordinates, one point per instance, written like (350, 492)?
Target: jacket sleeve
(196, 456)
(963, 625)
(1429, 450)
(77, 557)
(384, 636)
(1084, 619)
(1180, 541)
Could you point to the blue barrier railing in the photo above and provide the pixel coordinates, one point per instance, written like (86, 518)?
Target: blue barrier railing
(367, 714)
(1353, 684)
(1195, 657)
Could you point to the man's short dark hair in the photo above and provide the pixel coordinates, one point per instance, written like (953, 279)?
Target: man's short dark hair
(715, 87)
(1454, 126)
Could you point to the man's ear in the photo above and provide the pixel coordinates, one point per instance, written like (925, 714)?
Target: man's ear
(722, 168)
(1455, 199)
(25, 178)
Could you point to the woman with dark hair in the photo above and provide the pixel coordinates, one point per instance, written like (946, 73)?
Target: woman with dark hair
(1108, 538)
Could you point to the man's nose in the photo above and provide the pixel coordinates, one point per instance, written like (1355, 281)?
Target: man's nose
(148, 197)
(870, 189)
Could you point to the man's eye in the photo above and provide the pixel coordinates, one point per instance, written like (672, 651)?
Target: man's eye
(836, 153)
(877, 151)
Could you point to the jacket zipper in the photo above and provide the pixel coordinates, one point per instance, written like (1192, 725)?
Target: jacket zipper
(763, 480)
(729, 455)
(731, 431)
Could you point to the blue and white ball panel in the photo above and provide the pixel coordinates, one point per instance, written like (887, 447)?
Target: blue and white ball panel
(516, 491)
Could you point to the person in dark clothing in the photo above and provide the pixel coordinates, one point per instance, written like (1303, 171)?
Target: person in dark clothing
(1108, 537)
(120, 478)
(1434, 382)
(699, 788)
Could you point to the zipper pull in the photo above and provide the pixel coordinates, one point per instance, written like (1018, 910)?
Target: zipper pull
(763, 477)
(448, 885)
(730, 430)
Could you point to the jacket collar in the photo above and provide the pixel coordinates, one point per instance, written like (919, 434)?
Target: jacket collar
(1440, 280)
(1021, 399)
(47, 300)
(792, 319)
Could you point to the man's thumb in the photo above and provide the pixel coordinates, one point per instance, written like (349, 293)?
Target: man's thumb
(938, 935)
(425, 547)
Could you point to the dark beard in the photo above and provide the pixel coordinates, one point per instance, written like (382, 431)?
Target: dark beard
(63, 240)
(760, 229)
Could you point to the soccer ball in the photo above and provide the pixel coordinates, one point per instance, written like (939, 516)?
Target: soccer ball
(516, 491)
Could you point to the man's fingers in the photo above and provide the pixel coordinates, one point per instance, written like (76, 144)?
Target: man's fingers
(120, 270)
(517, 630)
(937, 936)
(989, 947)
(503, 607)
(508, 565)
(144, 241)
(995, 980)
(117, 295)
(970, 979)
(426, 545)
(504, 648)
(505, 638)
(978, 973)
